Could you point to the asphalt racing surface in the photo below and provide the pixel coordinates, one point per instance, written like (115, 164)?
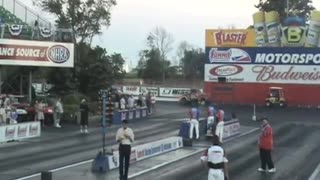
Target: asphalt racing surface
(297, 143)
(65, 146)
(296, 154)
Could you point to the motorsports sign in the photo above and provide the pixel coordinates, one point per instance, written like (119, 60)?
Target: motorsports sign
(264, 65)
(36, 53)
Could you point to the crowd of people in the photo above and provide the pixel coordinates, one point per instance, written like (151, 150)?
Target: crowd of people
(129, 102)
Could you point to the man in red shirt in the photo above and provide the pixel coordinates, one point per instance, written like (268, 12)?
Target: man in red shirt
(266, 146)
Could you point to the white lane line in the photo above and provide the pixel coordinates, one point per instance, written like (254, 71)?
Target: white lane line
(315, 173)
(144, 171)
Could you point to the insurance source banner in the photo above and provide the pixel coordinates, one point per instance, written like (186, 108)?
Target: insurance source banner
(36, 53)
(264, 65)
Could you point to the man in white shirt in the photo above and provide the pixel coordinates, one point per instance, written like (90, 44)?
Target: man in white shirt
(122, 103)
(130, 102)
(124, 137)
(58, 111)
(215, 159)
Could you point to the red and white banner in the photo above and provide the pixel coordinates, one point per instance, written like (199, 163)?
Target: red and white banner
(134, 90)
(263, 73)
(36, 53)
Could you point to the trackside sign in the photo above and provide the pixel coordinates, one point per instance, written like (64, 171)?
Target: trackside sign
(267, 65)
(277, 56)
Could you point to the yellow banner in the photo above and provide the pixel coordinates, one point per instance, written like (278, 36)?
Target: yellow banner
(230, 38)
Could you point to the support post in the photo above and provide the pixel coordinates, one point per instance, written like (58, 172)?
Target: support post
(254, 118)
(30, 86)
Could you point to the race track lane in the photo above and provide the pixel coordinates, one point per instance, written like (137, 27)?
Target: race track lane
(295, 157)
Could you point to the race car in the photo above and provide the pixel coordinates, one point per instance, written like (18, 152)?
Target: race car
(195, 95)
(26, 112)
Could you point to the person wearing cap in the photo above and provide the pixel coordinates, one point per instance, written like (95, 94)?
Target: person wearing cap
(125, 138)
(265, 147)
(84, 116)
(216, 160)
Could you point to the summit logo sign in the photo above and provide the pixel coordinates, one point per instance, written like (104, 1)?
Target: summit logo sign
(231, 55)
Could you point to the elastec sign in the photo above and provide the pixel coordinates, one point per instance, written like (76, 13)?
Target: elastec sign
(231, 38)
(173, 92)
(270, 65)
(36, 53)
(134, 90)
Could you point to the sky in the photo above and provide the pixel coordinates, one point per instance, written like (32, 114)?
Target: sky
(186, 20)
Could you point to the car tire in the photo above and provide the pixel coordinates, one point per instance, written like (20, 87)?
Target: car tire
(268, 104)
(282, 104)
(183, 101)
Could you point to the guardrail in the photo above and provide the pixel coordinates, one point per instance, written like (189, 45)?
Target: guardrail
(19, 131)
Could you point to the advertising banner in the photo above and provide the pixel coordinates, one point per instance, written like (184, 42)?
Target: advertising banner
(134, 90)
(36, 53)
(138, 113)
(264, 65)
(231, 129)
(148, 150)
(293, 32)
(173, 92)
(230, 38)
(19, 131)
(152, 90)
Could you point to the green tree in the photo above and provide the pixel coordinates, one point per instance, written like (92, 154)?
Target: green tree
(84, 17)
(193, 64)
(301, 8)
(93, 68)
(160, 39)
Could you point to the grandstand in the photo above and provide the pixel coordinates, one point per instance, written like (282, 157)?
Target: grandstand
(19, 22)
(18, 25)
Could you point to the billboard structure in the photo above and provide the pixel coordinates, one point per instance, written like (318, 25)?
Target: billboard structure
(242, 64)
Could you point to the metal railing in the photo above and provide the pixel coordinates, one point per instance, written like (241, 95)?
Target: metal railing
(24, 13)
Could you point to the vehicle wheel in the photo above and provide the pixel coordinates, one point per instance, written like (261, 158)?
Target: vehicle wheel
(282, 104)
(268, 103)
(183, 101)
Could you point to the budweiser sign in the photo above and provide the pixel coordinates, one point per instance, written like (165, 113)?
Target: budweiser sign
(258, 73)
(270, 73)
(36, 53)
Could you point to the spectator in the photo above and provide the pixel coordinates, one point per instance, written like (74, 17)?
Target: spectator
(140, 100)
(13, 116)
(124, 137)
(211, 125)
(148, 102)
(265, 147)
(3, 115)
(7, 102)
(130, 102)
(58, 111)
(153, 103)
(84, 110)
(39, 106)
(122, 103)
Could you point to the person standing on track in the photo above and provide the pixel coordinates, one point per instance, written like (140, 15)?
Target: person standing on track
(211, 128)
(194, 121)
(84, 116)
(216, 160)
(265, 147)
(220, 124)
(124, 137)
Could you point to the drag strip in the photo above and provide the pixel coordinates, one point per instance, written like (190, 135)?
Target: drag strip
(18, 162)
(295, 157)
